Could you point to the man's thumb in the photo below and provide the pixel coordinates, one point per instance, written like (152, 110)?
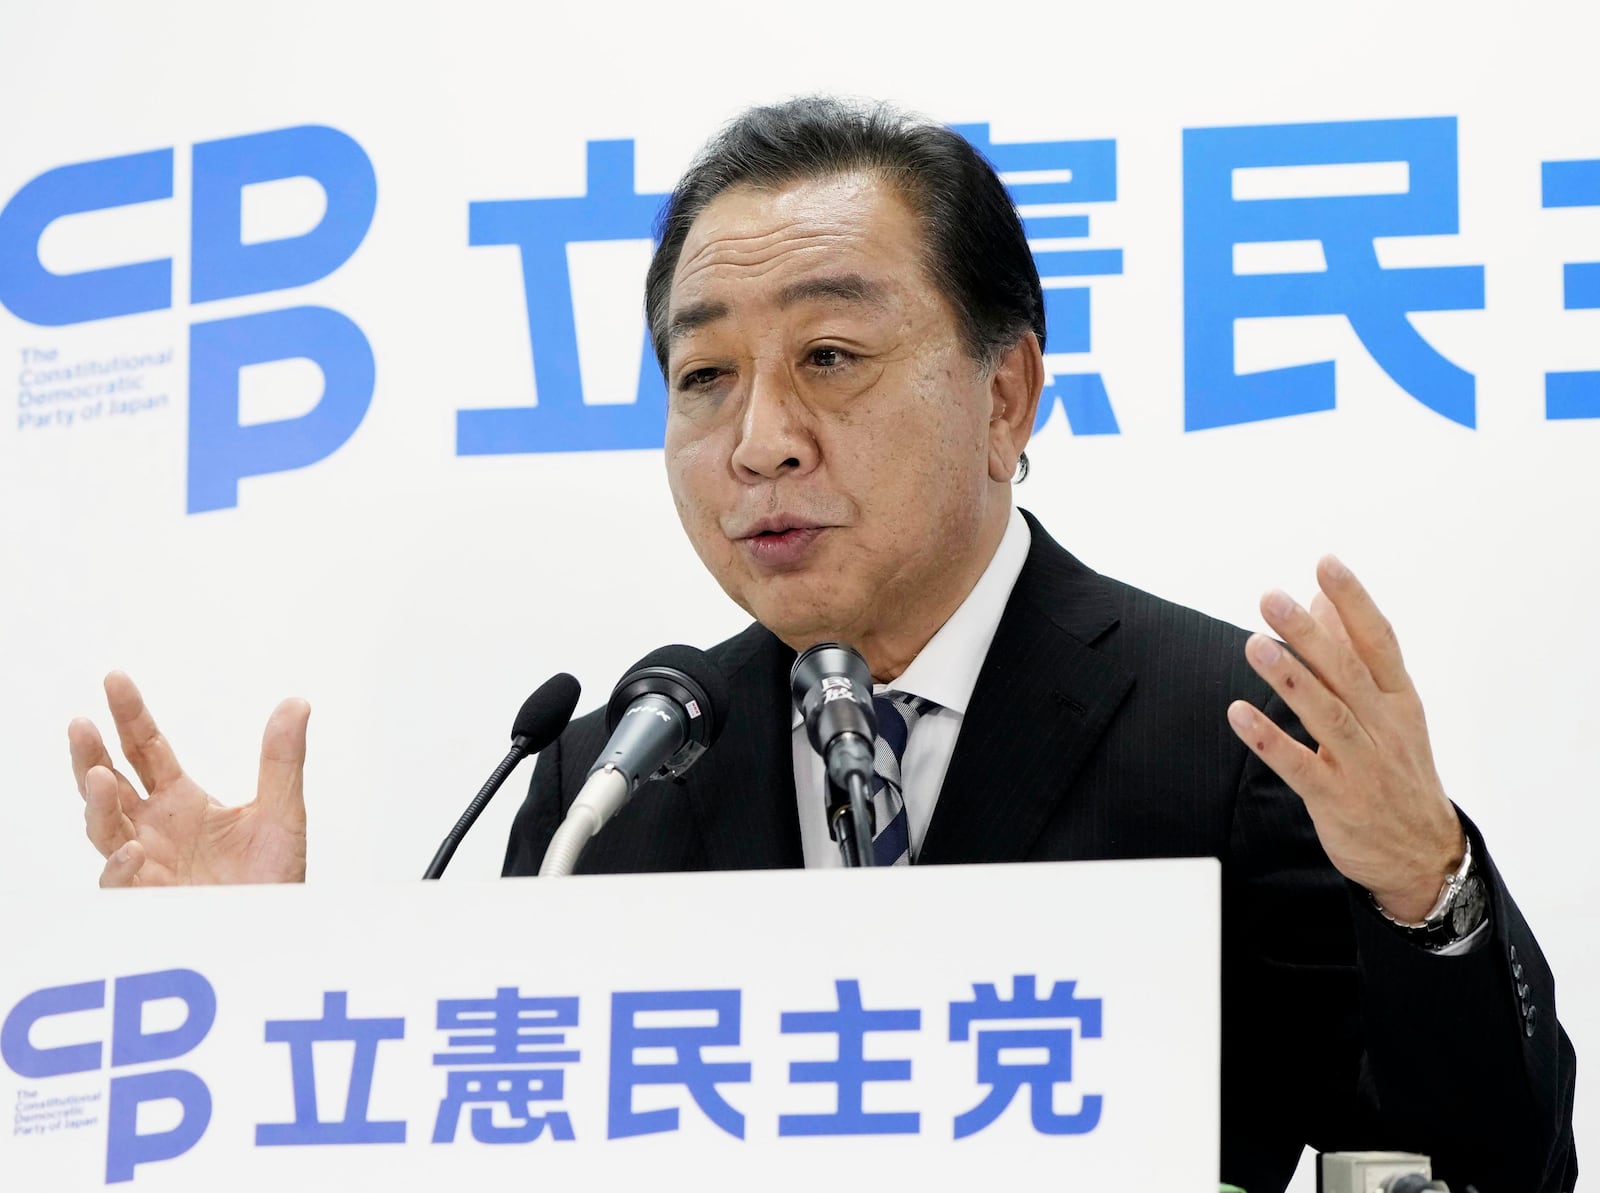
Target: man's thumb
(280, 789)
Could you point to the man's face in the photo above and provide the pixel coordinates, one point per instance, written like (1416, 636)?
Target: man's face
(830, 442)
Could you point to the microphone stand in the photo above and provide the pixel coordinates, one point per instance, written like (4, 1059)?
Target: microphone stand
(832, 687)
(850, 821)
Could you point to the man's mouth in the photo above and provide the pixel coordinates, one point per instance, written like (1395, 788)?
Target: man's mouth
(780, 545)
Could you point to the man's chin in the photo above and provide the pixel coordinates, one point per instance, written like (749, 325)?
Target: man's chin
(796, 615)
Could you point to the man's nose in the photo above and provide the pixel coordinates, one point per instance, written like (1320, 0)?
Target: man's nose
(774, 434)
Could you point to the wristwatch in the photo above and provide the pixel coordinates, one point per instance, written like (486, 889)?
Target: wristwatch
(1456, 914)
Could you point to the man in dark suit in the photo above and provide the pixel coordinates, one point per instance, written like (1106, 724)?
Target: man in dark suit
(851, 327)
(845, 417)
(1097, 729)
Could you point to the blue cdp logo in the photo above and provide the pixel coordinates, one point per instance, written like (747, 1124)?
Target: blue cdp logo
(131, 1046)
(222, 265)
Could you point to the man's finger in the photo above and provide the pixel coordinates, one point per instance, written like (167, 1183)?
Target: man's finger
(1327, 718)
(123, 866)
(87, 749)
(280, 788)
(148, 751)
(104, 821)
(1370, 632)
(1322, 609)
(1332, 659)
(1289, 760)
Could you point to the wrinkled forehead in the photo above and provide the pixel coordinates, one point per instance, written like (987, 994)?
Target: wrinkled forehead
(751, 242)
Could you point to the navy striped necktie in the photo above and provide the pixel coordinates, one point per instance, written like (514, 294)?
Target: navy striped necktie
(898, 713)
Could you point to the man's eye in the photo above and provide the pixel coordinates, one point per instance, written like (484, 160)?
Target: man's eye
(699, 378)
(829, 358)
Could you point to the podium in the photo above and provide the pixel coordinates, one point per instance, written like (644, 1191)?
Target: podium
(926, 1028)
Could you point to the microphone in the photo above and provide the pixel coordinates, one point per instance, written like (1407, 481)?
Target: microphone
(832, 687)
(539, 722)
(663, 714)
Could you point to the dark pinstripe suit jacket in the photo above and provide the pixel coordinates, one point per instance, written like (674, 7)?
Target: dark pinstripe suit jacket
(1097, 729)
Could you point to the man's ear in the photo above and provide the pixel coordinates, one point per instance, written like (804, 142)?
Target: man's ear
(1014, 388)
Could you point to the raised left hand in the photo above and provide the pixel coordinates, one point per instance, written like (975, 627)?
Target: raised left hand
(1371, 788)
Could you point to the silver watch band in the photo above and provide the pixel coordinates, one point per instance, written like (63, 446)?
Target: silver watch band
(1448, 894)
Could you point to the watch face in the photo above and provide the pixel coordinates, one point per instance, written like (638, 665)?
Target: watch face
(1470, 907)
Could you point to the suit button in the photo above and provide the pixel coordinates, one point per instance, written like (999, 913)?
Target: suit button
(1513, 953)
(1516, 970)
(1522, 990)
(1530, 1017)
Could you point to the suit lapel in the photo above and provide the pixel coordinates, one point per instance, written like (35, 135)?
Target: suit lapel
(1042, 701)
(741, 793)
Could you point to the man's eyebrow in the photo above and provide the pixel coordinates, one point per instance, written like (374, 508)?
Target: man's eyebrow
(694, 316)
(843, 287)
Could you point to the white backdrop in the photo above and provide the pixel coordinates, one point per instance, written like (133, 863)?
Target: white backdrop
(415, 595)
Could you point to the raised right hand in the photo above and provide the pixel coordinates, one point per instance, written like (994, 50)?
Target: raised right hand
(179, 835)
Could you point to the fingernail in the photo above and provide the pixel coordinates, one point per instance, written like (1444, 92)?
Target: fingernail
(1337, 569)
(121, 855)
(1239, 717)
(1266, 650)
(1278, 603)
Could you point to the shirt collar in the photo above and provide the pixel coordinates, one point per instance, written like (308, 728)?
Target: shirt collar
(946, 670)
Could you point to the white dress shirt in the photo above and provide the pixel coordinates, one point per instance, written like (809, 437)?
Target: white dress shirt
(945, 671)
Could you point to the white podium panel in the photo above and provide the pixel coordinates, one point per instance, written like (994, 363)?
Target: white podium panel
(936, 1027)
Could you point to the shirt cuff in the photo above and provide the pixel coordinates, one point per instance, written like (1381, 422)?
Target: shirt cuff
(1470, 943)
